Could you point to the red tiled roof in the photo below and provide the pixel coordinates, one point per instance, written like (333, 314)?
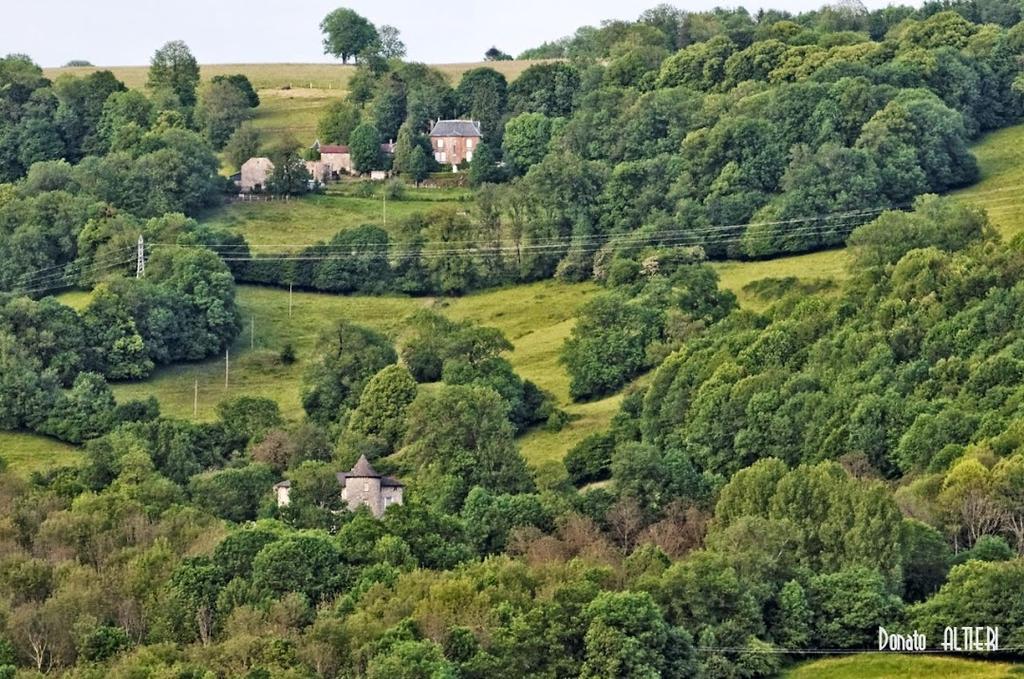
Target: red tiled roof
(332, 148)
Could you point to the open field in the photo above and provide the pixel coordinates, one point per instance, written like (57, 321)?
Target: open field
(320, 217)
(1001, 159)
(893, 666)
(292, 113)
(537, 318)
(26, 453)
(323, 76)
(830, 264)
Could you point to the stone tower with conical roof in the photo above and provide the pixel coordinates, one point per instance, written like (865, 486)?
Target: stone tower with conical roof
(363, 486)
(360, 487)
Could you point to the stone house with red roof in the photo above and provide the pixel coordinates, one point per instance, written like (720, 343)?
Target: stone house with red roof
(335, 157)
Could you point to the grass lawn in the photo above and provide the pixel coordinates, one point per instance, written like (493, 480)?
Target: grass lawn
(258, 372)
(309, 219)
(26, 453)
(894, 666)
(294, 113)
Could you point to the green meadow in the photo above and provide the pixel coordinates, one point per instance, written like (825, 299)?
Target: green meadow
(295, 223)
(536, 318)
(894, 666)
(27, 453)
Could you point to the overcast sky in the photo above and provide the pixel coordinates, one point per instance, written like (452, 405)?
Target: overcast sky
(126, 32)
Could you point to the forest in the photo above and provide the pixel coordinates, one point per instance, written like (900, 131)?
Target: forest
(776, 483)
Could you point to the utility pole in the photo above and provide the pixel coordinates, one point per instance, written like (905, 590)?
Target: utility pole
(384, 192)
(227, 366)
(195, 401)
(140, 267)
(289, 300)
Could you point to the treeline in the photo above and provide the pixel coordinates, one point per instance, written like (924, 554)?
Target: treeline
(75, 118)
(681, 29)
(57, 361)
(92, 166)
(85, 159)
(749, 136)
(444, 251)
(909, 375)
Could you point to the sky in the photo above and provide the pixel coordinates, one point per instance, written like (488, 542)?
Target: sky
(126, 32)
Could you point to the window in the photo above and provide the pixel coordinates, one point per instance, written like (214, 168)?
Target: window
(444, 157)
(469, 143)
(469, 156)
(440, 143)
(366, 486)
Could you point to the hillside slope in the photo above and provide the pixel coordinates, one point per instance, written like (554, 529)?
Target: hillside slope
(892, 666)
(537, 318)
(1000, 157)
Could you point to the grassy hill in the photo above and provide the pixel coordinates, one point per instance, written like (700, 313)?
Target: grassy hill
(1000, 157)
(324, 76)
(536, 318)
(892, 666)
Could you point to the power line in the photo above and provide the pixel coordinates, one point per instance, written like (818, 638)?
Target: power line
(46, 286)
(680, 237)
(543, 242)
(100, 265)
(699, 236)
(64, 267)
(57, 276)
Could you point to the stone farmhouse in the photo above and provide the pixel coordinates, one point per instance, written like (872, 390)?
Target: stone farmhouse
(256, 171)
(254, 175)
(335, 157)
(360, 487)
(454, 141)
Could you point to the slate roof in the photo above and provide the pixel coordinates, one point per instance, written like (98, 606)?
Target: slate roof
(456, 128)
(362, 470)
(332, 148)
